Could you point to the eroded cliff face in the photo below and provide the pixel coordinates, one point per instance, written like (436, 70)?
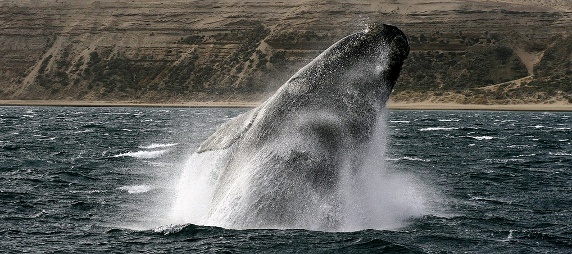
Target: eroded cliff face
(168, 51)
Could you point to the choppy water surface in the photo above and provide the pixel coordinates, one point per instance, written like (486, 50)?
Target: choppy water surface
(102, 179)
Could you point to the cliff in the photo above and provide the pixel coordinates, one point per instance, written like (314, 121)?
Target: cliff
(484, 52)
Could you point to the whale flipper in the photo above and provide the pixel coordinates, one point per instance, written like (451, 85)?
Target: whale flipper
(228, 133)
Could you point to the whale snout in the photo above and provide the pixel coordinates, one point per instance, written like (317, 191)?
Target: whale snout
(391, 36)
(400, 44)
(397, 40)
(391, 49)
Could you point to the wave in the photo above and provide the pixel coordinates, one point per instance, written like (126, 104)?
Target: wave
(519, 146)
(136, 189)
(365, 241)
(407, 158)
(538, 126)
(155, 145)
(489, 200)
(527, 155)
(438, 129)
(482, 137)
(560, 154)
(187, 229)
(143, 154)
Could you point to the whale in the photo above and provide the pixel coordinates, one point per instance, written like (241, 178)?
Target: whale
(284, 163)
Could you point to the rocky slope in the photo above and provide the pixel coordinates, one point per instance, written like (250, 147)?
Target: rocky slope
(502, 51)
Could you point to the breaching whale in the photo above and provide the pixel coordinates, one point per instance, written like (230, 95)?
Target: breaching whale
(282, 164)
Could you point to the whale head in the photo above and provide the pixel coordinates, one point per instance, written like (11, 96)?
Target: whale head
(390, 46)
(368, 61)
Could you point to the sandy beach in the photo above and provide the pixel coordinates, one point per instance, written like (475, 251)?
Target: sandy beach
(247, 104)
(503, 107)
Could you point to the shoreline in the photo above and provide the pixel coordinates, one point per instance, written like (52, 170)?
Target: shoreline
(190, 104)
(485, 107)
(249, 104)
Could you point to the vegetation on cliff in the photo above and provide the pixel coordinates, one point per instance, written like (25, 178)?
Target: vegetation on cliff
(158, 51)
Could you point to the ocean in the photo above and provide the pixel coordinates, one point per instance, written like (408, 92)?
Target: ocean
(102, 179)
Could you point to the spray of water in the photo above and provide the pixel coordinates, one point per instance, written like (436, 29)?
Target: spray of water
(379, 197)
(373, 197)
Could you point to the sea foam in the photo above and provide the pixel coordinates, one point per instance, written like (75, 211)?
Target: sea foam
(143, 154)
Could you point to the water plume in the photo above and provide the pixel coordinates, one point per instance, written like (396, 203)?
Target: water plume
(374, 197)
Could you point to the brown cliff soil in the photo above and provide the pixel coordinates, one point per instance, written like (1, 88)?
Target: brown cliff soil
(463, 52)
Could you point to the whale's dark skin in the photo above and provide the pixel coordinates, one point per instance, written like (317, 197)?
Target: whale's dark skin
(310, 135)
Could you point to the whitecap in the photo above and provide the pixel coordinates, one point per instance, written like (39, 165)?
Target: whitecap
(170, 229)
(143, 154)
(399, 121)
(482, 137)
(136, 189)
(83, 131)
(560, 154)
(518, 146)
(115, 113)
(407, 158)
(438, 129)
(504, 161)
(509, 237)
(526, 155)
(449, 120)
(155, 145)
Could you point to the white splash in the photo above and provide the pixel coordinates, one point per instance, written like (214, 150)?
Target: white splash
(381, 198)
(373, 198)
(155, 146)
(196, 187)
(482, 137)
(136, 189)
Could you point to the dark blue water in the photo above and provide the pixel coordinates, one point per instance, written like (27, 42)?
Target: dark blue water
(99, 180)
